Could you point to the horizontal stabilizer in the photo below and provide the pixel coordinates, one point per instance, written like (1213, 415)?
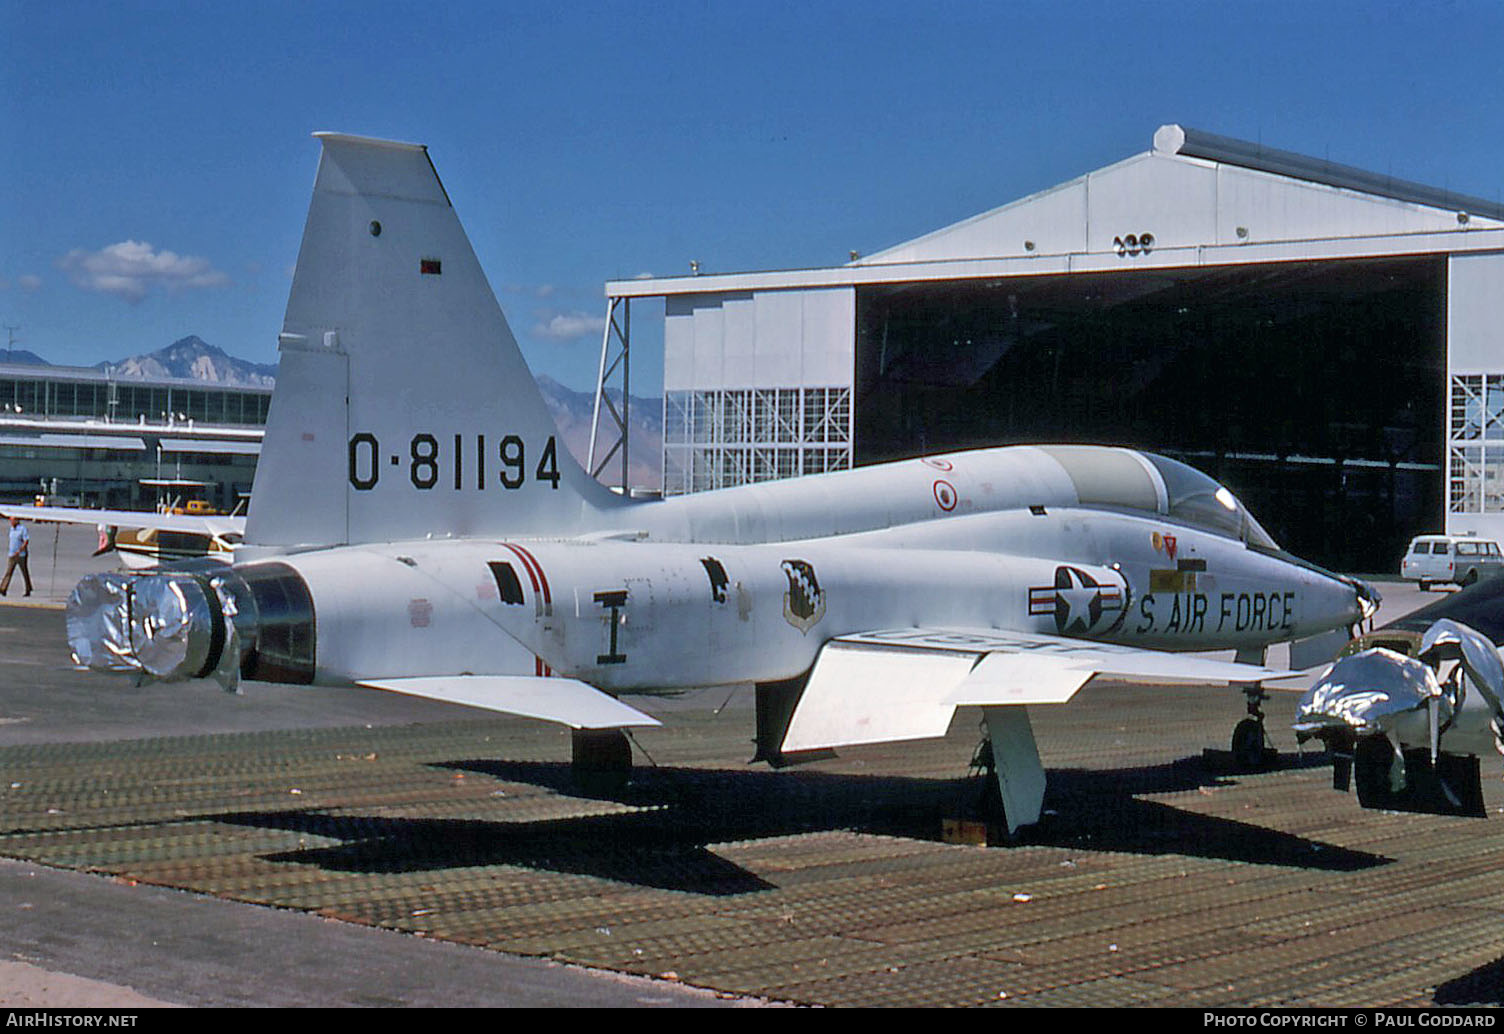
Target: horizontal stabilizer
(906, 683)
(567, 701)
(189, 523)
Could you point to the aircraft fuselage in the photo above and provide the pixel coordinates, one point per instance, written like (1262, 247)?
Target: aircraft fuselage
(643, 616)
(747, 584)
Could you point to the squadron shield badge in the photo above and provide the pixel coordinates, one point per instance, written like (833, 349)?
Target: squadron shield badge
(804, 603)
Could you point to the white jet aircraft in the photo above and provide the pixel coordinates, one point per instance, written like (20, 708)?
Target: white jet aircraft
(416, 527)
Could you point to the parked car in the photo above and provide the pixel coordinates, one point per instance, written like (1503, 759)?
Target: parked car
(1458, 559)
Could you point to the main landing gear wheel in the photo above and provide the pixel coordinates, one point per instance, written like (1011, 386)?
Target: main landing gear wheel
(1248, 744)
(601, 761)
(1250, 750)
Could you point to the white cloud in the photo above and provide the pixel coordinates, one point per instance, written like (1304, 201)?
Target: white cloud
(567, 326)
(29, 281)
(539, 291)
(131, 269)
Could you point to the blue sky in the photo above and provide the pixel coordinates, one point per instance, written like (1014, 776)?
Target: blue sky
(157, 160)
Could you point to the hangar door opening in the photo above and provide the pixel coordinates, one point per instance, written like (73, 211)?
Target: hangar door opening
(1315, 390)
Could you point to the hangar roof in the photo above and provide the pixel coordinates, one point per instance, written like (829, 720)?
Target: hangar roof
(1193, 199)
(1194, 188)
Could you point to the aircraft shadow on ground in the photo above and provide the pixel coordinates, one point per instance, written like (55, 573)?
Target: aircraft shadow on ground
(665, 843)
(1102, 810)
(1482, 986)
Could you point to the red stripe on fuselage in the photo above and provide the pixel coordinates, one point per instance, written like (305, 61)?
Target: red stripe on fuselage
(523, 559)
(532, 561)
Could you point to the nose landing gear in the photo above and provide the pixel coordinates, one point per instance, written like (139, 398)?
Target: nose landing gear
(1251, 751)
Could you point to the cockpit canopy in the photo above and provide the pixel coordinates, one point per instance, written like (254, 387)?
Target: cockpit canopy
(1203, 503)
(1131, 480)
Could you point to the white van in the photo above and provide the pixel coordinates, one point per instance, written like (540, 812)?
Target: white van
(1458, 559)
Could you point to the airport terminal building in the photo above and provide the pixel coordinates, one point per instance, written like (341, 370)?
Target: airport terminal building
(85, 437)
(1327, 341)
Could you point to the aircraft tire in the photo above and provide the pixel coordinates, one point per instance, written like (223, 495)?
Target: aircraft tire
(1248, 744)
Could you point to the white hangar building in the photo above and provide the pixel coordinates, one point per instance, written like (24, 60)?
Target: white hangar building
(1327, 341)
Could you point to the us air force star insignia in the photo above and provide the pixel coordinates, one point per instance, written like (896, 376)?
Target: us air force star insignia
(1078, 601)
(804, 603)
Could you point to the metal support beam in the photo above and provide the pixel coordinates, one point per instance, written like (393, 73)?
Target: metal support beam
(619, 333)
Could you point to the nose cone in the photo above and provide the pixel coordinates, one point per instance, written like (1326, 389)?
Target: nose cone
(1369, 598)
(1334, 601)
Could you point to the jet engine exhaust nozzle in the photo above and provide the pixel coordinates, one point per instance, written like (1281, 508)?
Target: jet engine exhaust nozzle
(168, 625)
(196, 619)
(98, 622)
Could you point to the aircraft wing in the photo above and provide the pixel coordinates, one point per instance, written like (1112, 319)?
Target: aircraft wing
(207, 525)
(553, 699)
(906, 683)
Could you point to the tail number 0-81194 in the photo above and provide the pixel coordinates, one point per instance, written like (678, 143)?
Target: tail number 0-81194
(429, 462)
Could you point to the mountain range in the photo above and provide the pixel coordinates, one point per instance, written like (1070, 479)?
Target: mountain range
(193, 358)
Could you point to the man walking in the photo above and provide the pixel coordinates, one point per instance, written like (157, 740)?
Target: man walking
(20, 542)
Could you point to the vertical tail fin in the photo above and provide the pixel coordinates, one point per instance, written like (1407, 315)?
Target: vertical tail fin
(403, 407)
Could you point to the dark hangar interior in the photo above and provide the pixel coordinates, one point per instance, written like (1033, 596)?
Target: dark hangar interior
(1315, 390)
